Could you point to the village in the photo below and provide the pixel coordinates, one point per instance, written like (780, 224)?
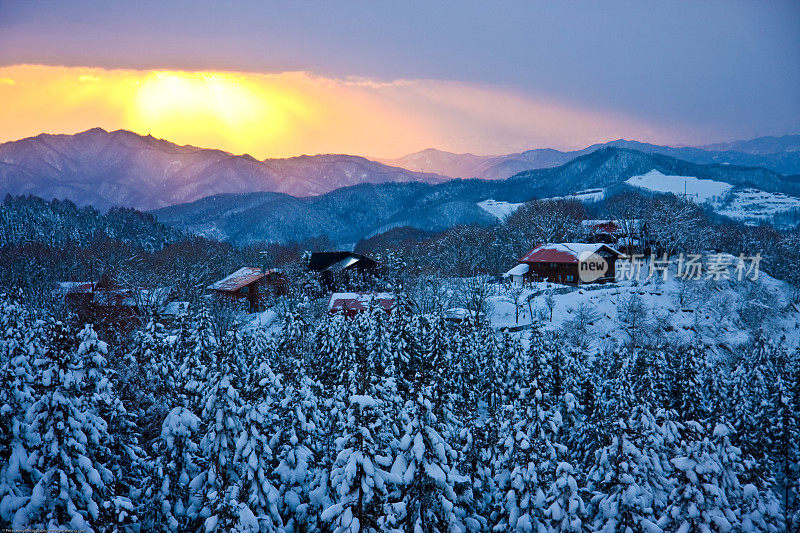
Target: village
(345, 278)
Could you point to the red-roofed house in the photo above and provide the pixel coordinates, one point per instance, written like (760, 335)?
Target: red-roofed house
(352, 303)
(250, 283)
(568, 262)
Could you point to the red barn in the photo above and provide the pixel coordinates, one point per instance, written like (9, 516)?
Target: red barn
(568, 262)
(352, 303)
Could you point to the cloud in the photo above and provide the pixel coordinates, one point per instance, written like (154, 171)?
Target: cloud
(291, 113)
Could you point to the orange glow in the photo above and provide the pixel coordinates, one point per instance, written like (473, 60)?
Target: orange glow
(291, 113)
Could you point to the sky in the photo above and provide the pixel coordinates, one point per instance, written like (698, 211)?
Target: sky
(382, 79)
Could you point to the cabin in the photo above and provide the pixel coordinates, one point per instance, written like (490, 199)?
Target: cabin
(353, 303)
(338, 268)
(569, 262)
(621, 234)
(100, 301)
(252, 284)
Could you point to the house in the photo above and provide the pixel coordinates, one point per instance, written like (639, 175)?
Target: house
(252, 284)
(353, 303)
(100, 301)
(336, 268)
(568, 262)
(622, 234)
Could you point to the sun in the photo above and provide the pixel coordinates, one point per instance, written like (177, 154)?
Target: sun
(206, 107)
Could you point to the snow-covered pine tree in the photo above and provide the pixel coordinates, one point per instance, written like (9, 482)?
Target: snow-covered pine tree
(66, 442)
(214, 497)
(526, 460)
(19, 346)
(359, 478)
(125, 458)
(627, 481)
(425, 499)
(698, 501)
(565, 510)
(176, 464)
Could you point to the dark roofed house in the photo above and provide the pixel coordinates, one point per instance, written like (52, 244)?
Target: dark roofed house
(333, 266)
(566, 262)
(250, 283)
(352, 303)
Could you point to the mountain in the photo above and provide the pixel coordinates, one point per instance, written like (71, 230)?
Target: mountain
(780, 154)
(122, 168)
(350, 214)
(760, 146)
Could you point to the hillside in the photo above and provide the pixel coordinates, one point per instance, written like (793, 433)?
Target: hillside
(103, 169)
(353, 213)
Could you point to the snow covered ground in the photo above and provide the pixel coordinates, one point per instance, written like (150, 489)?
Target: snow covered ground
(722, 314)
(750, 206)
(696, 189)
(589, 195)
(499, 209)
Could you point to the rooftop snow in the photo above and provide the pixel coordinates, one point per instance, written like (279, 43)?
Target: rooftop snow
(565, 252)
(241, 278)
(359, 301)
(519, 270)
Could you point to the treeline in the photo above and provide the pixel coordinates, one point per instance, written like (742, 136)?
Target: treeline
(388, 423)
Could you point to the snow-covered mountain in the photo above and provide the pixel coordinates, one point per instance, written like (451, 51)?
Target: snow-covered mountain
(780, 154)
(352, 213)
(122, 168)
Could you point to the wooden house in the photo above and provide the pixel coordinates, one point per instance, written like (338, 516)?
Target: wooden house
(338, 268)
(569, 262)
(251, 284)
(353, 303)
(102, 301)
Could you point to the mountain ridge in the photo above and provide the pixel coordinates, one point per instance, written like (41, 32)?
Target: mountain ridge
(104, 168)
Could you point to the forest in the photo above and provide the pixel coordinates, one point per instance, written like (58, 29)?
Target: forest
(385, 422)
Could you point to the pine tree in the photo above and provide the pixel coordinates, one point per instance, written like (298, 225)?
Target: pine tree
(565, 510)
(425, 499)
(176, 464)
(67, 442)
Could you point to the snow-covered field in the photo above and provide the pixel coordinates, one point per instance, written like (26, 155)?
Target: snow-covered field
(589, 195)
(750, 206)
(499, 209)
(695, 189)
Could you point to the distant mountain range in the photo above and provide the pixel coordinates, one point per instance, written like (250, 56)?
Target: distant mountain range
(350, 214)
(122, 168)
(781, 154)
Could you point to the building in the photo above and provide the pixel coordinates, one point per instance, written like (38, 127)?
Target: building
(337, 268)
(251, 284)
(353, 303)
(569, 262)
(102, 301)
(621, 234)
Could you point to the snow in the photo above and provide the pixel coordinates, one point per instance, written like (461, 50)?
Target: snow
(499, 209)
(748, 205)
(753, 206)
(710, 311)
(588, 195)
(699, 190)
(519, 270)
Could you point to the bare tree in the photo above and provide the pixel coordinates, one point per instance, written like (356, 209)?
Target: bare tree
(516, 295)
(550, 302)
(633, 316)
(474, 295)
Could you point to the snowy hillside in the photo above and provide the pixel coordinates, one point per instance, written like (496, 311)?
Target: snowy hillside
(748, 205)
(721, 314)
(499, 209)
(695, 189)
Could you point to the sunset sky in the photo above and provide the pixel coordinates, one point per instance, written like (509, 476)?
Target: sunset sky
(384, 79)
